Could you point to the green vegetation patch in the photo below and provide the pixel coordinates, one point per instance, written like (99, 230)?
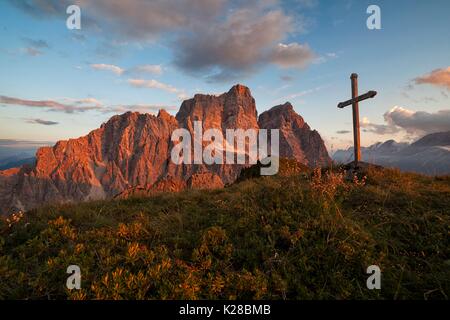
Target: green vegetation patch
(306, 235)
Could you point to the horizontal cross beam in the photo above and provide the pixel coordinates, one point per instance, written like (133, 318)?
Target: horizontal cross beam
(365, 96)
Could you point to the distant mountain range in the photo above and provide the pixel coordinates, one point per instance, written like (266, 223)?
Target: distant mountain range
(16, 161)
(15, 153)
(429, 155)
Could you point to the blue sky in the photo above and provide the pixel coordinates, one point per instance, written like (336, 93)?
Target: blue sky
(143, 55)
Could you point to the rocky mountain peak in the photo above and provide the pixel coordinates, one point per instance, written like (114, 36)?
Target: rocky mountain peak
(239, 90)
(131, 153)
(234, 109)
(282, 116)
(296, 138)
(434, 139)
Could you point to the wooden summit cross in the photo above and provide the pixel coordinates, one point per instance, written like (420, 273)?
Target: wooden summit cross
(354, 101)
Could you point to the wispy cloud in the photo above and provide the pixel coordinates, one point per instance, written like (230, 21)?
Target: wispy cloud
(51, 105)
(140, 83)
(86, 101)
(286, 78)
(154, 84)
(438, 77)
(108, 67)
(42, 122)
(154, 69)
(34, 47)
(147, 69)
(78, 37)
(32, 51)
(325, 58)
(36, 43)
(71, 106)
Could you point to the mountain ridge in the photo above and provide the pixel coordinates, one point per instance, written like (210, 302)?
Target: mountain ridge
(428, 155)
(133, 151)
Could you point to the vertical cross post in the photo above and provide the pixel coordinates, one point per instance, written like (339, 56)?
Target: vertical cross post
(354, 102)
(355, 107)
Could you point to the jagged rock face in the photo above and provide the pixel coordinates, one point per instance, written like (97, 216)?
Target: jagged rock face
(231, 110)
(130, 150)
(131, 154)
(234, 109)
(297, 140)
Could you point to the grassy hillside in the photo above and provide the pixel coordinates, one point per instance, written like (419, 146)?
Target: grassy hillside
(304, 236)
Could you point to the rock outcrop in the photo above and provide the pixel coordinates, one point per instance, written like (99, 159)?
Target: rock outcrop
(297, 140)
(130, 154)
